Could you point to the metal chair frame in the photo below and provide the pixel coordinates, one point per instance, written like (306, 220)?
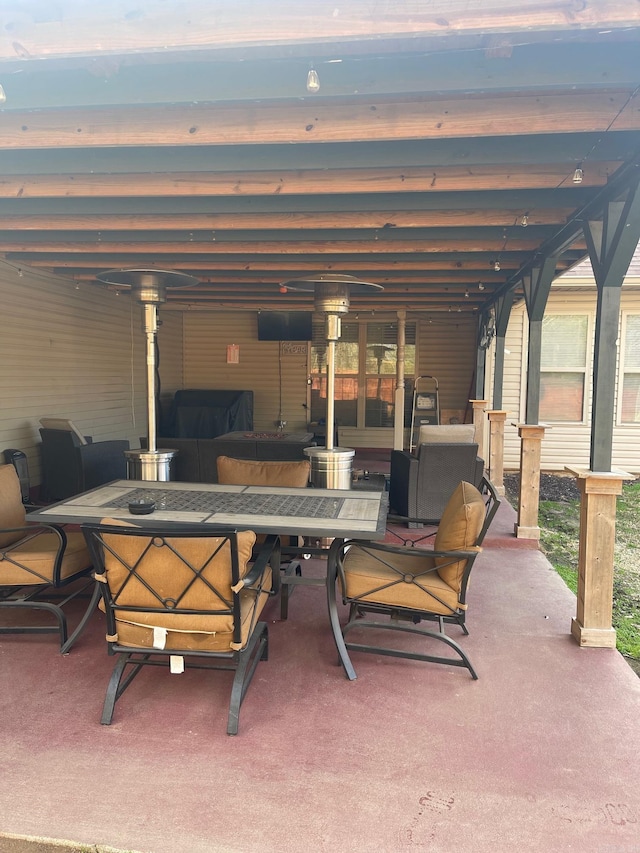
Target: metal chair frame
(28, 595)
(404, 619)
(242, 661)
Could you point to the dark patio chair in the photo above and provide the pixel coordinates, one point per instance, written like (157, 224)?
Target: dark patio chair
(73, 463)
(404, 586)
(37, 561)
(188, 598)
(420, 484)
(295, 475)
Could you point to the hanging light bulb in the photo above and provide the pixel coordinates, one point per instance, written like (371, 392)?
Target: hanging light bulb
(3, 95)
(578, 175)
(525, 220)
(480, 286)
(496, 266)
(313, 81)
(466, 294)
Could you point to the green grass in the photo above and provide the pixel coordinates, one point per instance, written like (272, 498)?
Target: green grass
(559, 536)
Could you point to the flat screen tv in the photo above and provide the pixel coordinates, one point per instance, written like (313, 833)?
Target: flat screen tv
(285, 326)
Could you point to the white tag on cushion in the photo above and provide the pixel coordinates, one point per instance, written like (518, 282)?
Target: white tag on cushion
(176, 664)
(159, 638)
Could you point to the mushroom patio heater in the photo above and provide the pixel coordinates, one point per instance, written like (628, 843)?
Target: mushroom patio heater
(149, 287)
(331, 466)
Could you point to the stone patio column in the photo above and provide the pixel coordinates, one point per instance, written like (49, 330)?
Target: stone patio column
(531, 436)
(479, 407)
(497, 417)
(592, 626)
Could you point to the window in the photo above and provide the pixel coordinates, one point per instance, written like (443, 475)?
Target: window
(630, 410)
(563, 367)
(366, 359)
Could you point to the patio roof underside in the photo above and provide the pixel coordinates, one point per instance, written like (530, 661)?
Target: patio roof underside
(437, 159)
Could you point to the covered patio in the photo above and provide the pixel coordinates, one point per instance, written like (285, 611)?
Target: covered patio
(539, 754)
(460, 156)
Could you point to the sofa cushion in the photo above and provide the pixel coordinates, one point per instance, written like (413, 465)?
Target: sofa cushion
(446, 434)
(249, 472)
(65, 425)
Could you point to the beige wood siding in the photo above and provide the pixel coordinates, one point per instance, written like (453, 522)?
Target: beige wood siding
(170, 358)
(69, 353)
(447, 350)
(261, 366)
(564, 444)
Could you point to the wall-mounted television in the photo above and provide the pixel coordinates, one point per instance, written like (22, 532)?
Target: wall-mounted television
(285, 325)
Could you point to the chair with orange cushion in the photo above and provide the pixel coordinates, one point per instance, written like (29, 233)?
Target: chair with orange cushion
(36, 560)
(295, 475)
(398, 587)
(183, 598)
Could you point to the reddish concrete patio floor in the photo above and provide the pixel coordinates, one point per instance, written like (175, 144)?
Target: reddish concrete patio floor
(540, 754)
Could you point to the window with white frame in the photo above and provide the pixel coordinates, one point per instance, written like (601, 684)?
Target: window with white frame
(563, 367)
(365, 382)
(630, 408)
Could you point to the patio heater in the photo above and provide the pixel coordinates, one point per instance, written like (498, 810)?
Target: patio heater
(331, 466)
(149, 288)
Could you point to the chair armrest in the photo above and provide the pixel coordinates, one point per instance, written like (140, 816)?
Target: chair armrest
(269, 553)
(102, 462)
(402, 475)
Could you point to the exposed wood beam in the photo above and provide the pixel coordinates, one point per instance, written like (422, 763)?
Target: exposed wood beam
(414, 179)
(293, 220)
(61, 30)
(327, 247)
(302, 122)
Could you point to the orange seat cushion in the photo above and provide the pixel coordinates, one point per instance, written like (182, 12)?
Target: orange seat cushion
(458, 530)
(408, 580)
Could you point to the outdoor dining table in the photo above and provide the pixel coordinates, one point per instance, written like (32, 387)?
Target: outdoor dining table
(312, 513)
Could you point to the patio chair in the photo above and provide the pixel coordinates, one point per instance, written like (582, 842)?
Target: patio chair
(73, 463)
(420, 485)
(403, 586)
(37, 560)
(295, 475)
(183, 598)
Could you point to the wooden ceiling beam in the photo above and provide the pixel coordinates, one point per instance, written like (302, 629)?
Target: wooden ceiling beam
(70, 29)
(323, 121)
(293, 220)
(287, 248)
(251, 183)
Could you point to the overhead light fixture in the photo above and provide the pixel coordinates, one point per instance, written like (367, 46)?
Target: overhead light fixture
(313, 81)
(578, 175)
(3, 95)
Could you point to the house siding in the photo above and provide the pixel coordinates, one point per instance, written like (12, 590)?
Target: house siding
(71, 353)
(564, 444)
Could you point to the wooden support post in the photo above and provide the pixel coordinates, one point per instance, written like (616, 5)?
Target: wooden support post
(531, 436)
(497, 417)
(479, 407)
(592, 626)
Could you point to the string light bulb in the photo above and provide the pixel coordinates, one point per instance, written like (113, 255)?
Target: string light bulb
(313, 81)
(466, 294)
(525, 220)
(480, 286)
(496, 266)
(578, 175)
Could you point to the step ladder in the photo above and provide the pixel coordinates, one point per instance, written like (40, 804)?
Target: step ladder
(425, 407)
